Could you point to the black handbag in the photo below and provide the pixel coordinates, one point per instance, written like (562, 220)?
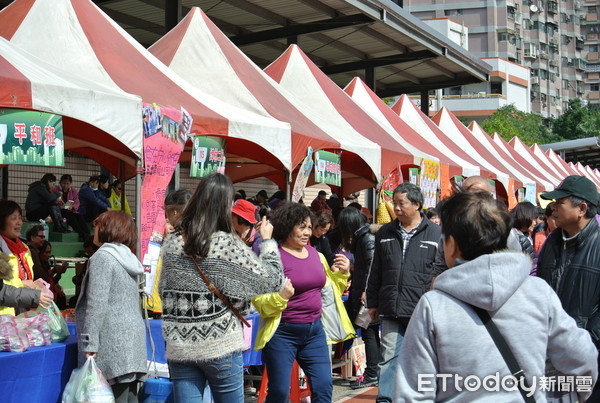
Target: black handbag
(505, 351)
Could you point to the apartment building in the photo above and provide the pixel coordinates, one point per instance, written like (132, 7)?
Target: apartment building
(556, 40)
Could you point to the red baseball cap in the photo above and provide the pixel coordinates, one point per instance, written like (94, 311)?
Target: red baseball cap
(245, 209)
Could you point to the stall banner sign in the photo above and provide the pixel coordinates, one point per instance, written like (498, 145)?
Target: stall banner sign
(413, 176)
(520, 195)
(302, 177)
(392, 180)
(429, 182)
(208, 156)
(165, 132)
(530, 193)
(31, 138)
(328, 168)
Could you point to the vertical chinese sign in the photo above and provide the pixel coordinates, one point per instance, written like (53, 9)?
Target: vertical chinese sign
(208, 156)
(302, 177)
(165, 132)
(328, 168)
(429, 182)
(31, 138)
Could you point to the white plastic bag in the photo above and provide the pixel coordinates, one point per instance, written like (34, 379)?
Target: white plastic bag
(11, 337)
(36, 327)
(363, 319)
(87, 384)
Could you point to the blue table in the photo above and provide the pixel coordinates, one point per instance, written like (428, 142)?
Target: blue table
(38, 374)
(250, 356)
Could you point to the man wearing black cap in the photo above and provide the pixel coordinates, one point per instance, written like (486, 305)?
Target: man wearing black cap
(570, 258)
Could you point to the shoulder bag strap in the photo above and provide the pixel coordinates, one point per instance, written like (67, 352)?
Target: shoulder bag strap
(505, 351)
(214, 290)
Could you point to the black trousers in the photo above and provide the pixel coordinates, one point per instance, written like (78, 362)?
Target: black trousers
(76, 221)
(45, 211)
(371, 339)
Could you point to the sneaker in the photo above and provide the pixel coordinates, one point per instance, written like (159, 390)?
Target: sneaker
(364, 383)
(249, 390)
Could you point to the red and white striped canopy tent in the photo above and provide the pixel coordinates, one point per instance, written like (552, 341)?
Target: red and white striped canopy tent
(557, 160)
(524, 151)
(583, 172)
(559, 168)
(199, 52)
(597, 173)
(480, 151)
(539, 178)
(299, 75)
(380, 112)
(432, 134)
(30, 83)
(592, 175)
(84, 42)
(504, 156)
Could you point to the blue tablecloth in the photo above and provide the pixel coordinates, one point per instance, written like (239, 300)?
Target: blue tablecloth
(250, 356)
(38, 374)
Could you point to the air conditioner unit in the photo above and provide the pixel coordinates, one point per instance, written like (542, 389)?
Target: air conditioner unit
(535, 80)
(553, 63)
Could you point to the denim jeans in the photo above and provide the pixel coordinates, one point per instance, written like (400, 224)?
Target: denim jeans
(392, 335)
(307, 344)
(225, 377)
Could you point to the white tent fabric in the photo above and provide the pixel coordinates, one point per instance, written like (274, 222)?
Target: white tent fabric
(84, 42)
(56, 91)
(524, 151)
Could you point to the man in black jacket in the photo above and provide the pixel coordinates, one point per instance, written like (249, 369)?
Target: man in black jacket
(400, 274)
(570, 258)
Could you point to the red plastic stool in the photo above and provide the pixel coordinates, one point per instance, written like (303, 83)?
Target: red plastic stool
(296, 393)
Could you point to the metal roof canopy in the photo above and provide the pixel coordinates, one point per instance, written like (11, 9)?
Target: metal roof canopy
(394, 52)
(586, 151)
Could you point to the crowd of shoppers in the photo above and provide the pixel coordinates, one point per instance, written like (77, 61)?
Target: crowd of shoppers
(425, 288)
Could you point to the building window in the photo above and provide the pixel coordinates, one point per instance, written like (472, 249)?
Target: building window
(594, 87)
(565, 84)
(592, 68)
(593, 48)
(496, 87)
(502, 36)
(447, 13)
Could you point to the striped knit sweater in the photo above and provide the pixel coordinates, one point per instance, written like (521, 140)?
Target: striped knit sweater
(197, 326)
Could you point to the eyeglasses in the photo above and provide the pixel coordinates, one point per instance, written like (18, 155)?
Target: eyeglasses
(41, 236)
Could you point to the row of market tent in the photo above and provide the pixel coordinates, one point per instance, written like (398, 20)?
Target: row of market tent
(67, 57)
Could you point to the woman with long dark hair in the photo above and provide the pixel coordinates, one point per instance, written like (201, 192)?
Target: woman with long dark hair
(205, 339)
(358, 238)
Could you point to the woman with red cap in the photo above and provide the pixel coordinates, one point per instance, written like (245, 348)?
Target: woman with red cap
(244, 218)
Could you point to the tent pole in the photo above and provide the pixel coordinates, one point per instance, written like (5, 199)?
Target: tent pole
(288, 185)
(138, 203)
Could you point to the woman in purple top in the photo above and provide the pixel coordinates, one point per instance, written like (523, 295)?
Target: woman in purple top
(300, 335)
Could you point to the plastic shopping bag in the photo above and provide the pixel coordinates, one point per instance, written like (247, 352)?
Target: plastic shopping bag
(87, 384)
(60, 331)
(36, 327)
(11, 337)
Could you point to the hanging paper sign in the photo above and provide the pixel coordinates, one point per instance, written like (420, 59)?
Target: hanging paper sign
(530, 193)
(165, 133)
(31, 138)
(208, 156)
(520, 195)
(302, 177)
(413, 176)
(328, 168)
(429, 182)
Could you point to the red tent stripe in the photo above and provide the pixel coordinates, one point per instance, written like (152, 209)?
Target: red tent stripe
(136, 74)
(16, 88)
(15, 13)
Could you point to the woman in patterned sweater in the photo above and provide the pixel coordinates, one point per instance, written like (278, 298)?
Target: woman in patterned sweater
(204, 337)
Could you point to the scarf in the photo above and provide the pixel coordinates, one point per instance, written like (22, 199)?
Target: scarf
(19, 249)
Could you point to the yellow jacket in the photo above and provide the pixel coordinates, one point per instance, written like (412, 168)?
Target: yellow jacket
(15, 281)
(270, 306)
(153, 302)
(115, 202)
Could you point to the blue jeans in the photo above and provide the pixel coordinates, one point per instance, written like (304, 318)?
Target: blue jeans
(225, 377)
(392, 335)
(307, 344)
